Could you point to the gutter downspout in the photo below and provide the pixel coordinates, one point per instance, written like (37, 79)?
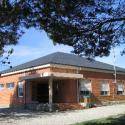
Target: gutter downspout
(115, 73)
(78, 92)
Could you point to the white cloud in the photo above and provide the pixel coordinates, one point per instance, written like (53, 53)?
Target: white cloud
(24, 53)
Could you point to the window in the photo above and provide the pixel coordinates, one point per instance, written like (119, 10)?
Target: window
(105, 88)
(10, 85)
(120, 89)
(20, 89)
(1, 87)
(85, 88)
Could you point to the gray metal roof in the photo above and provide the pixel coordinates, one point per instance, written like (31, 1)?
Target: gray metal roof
(65, 59)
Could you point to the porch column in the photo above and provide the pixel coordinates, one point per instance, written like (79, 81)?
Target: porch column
(78, 91)
(50, 93)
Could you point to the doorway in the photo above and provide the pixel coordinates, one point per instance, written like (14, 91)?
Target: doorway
(42, 93)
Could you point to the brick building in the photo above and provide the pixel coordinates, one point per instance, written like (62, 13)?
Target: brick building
(61, 78)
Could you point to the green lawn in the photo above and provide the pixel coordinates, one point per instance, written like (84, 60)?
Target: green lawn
(116, 120)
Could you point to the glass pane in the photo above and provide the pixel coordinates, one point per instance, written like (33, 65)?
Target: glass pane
(1, 86)
(85, 85)
(20, 89)
(104, 87)
(10, 85)
(85, 93)
(120, 92)
(104, 92)
(120, 87)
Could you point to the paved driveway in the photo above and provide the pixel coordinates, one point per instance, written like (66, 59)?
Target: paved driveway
(22, 117)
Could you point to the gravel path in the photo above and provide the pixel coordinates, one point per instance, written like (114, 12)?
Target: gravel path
(59, 118)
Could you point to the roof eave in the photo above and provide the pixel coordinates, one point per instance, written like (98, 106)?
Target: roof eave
(62, 66)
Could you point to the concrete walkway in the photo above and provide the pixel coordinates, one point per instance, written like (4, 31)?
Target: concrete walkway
(60, 118)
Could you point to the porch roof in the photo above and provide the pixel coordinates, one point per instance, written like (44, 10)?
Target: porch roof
(54, 74)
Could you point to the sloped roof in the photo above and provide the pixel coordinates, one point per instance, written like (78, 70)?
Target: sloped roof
(64, 59)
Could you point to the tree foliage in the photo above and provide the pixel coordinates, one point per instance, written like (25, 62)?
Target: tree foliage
(91, 27)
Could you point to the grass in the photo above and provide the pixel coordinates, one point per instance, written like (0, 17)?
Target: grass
(116, 120)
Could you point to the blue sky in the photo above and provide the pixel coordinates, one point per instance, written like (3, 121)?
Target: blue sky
(34, 44)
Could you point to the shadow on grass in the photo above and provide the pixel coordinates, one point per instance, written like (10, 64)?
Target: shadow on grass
(116, 120)
(17, 114)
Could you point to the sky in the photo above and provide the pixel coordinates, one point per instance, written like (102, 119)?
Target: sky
(34, 44)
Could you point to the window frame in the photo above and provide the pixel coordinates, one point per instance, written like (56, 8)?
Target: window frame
(1, 88)
(20, 87)
(123, 92)
(105, 93)
(8, 87)
(87, 92)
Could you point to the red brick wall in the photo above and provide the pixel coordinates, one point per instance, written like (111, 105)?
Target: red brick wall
(68, 88)
(10, 97)
(67, 91)
(96, 78)
(100, 75)
(113, 92)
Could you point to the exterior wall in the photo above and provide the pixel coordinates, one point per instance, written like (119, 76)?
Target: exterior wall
(29, 91)
(68, 87)
(96, 77)
(10, 97)
(97, 98)
(101, 75)
(67, 91)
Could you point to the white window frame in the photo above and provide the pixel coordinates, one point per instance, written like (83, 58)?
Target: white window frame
(123, 92)
(12, 87)
(84, 88)
(20, 87)
(1, 87)
(105, 92)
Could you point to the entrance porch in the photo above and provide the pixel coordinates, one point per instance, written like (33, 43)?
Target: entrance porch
(52, 90)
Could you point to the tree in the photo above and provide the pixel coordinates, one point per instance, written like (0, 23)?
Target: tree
(91, 27)
(4, 57)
